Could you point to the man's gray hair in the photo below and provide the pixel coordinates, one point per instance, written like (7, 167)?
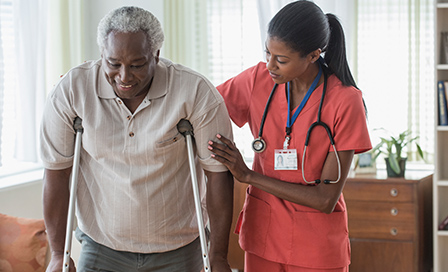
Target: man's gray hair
(131, 19)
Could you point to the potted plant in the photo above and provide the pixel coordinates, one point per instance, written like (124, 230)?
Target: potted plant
(392, 147)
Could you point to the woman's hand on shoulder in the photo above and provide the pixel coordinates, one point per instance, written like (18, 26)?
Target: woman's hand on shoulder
(229, 155)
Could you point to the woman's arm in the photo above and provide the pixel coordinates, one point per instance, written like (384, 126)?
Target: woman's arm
(322, 197)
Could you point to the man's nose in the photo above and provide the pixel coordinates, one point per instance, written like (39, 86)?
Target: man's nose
(125, 74)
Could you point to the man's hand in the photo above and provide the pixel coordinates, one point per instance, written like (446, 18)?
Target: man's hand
(56, 201)
(56, 262)
(220, 265)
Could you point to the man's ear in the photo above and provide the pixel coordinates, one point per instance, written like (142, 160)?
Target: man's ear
(157, 56)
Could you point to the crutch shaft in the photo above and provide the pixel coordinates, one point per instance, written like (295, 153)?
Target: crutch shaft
(72, 200)
(197, 203)
(186, 129)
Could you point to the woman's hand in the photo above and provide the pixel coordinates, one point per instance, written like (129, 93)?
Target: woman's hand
(231, 157)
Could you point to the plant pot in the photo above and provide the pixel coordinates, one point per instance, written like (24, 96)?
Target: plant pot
(391, 173)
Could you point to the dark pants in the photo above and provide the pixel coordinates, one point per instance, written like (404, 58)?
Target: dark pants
(96, 257)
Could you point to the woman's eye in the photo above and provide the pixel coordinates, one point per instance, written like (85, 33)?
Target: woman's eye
(281, 62)
(114, 65)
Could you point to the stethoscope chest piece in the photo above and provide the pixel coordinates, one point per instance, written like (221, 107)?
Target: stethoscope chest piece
(258, 145)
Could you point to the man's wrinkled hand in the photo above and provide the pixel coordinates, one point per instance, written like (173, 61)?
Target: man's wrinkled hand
(56, 262)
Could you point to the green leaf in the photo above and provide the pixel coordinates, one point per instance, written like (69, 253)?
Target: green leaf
(394, 163)
(420, 151)
(376, 155)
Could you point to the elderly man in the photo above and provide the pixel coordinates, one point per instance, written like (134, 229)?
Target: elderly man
(135, 205)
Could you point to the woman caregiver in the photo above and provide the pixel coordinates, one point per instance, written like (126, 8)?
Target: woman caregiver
(291, 221)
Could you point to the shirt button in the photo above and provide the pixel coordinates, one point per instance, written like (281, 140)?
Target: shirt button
(128, 117)
(119, 101)
(131, 134)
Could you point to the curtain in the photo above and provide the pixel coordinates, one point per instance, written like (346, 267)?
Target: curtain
(395, 67)
(29, 31)
(41, 40)
(2, 73)
(186, 33)
(65, 46)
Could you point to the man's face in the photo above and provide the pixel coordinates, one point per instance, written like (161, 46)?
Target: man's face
(129, 64)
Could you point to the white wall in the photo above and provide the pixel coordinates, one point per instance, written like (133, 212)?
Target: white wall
(24, 200)
(97, 9)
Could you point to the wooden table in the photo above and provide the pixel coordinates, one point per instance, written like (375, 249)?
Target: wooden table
(390, 223)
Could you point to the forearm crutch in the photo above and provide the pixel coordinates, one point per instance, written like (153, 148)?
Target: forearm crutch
(73, 187)
(185, 128)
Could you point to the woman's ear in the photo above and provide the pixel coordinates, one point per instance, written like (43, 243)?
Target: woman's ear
(314, 55)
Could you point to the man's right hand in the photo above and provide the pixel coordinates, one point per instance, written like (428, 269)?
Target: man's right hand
(56, 201)
(56, 262)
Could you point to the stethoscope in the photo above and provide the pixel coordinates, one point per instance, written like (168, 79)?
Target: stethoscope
(259, 145)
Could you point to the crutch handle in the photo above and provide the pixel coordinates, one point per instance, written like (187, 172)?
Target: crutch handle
(184, 127)
(77, 125)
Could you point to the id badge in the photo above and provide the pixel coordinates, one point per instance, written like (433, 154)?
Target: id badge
(285, 159)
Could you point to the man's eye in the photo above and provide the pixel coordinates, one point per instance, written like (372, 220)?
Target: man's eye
(114, 65)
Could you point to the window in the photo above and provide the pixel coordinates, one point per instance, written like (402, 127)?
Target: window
(395, 68)
(21, 93)
(234, 45)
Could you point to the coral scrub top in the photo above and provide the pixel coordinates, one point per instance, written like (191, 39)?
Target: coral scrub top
(276, 229)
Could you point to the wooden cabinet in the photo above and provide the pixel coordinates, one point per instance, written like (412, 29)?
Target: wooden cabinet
(236, 254)
(390, 223)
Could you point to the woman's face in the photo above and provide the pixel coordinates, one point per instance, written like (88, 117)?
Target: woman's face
(285, 64)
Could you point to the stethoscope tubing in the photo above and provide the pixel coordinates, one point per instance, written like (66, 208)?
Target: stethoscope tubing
(330, 136)
(313, 125)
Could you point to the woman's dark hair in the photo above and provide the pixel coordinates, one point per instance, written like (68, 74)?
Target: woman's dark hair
(304, 27)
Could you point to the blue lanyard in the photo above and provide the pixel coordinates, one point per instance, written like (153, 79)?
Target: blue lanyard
(290, 121)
